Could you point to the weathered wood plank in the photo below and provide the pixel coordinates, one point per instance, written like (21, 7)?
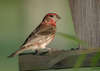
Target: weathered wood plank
(57, 59)
(86, 19)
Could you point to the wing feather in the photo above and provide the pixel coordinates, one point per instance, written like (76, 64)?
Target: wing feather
(40, 31)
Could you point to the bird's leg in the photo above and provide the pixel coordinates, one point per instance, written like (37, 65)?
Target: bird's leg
(35, 52)
(75, 48)
(45, 52)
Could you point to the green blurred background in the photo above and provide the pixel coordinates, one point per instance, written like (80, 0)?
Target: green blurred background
(19, 17)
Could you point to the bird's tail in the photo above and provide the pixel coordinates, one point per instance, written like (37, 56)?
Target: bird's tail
(16, 53)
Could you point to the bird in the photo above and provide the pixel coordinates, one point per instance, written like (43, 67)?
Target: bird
(41, 36)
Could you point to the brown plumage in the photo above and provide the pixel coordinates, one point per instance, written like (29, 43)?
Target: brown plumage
(41, 36)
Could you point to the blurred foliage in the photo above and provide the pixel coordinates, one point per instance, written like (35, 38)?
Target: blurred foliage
(75, 39)
(80, 60)
(95, 59)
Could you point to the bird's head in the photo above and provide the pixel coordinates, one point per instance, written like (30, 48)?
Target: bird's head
(51, 18)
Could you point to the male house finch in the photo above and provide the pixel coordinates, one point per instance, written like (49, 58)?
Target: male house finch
(41, 36)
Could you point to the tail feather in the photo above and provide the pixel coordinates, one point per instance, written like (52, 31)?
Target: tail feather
(12, 55)
(16, 53)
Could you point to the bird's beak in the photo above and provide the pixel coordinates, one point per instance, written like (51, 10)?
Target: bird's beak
(58, 17)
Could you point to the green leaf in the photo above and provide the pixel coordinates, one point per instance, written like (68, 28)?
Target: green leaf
(70, 37)
(79, 62)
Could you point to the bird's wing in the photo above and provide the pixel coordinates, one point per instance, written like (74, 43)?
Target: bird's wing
(41, 31)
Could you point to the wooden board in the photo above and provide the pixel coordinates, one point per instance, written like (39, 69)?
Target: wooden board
(58, 59)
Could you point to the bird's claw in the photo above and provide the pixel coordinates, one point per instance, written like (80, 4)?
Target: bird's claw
(75, 48)
(36, 52)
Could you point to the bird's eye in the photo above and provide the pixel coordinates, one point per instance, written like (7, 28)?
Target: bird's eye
(51, 15)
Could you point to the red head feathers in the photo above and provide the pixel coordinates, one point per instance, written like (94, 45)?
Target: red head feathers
(51, 18)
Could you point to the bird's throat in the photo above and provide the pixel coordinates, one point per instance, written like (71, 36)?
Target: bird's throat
(50, 22)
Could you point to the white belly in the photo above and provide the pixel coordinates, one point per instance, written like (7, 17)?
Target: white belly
(42, 41)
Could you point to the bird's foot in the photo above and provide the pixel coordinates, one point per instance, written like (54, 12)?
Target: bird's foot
(36, 52)
(75, 49)
(45, 51)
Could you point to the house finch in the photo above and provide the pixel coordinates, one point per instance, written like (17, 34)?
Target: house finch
(41, 36)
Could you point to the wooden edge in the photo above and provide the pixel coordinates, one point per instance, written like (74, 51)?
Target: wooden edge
(60, 59)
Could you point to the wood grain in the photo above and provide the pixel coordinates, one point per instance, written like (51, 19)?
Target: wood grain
(57, 59)
(86, 19)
